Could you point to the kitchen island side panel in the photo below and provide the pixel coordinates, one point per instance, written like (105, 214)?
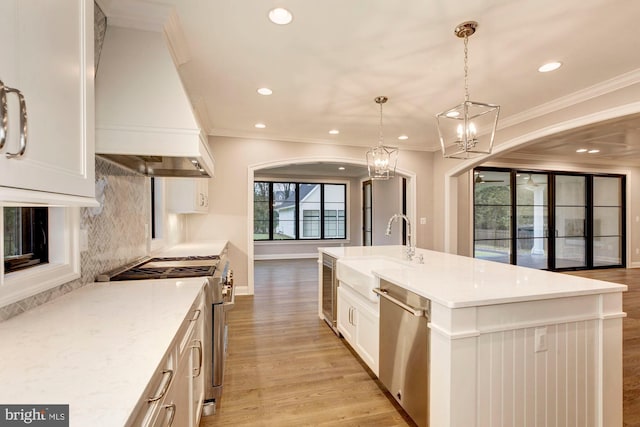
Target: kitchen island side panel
(533, 363)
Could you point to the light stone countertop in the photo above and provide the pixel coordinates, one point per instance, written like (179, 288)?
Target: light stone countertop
(95, 348)
(209, 247)
(457, 281)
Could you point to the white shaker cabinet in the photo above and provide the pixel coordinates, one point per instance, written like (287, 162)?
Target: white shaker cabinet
(47, 61)
(359, 324)
(188, 195)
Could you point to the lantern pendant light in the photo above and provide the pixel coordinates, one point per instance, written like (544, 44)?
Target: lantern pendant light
(467, 130)
(381, 160)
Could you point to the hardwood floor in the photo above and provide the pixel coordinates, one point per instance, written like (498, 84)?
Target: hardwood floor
(631, 337)
(285, 366)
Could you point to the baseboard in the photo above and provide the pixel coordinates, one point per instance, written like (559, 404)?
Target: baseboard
(634, 265)
(267, 257)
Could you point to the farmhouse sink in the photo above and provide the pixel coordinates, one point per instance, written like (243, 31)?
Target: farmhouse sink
(357, 272)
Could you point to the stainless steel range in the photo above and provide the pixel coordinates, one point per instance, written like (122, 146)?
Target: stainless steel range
(220, 295)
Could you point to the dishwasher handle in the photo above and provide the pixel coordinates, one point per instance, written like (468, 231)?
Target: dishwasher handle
(418, 312)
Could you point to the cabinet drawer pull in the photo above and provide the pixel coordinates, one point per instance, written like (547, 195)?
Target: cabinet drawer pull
(196, 315)
(197, 345)
(165, 386)
(4, 121)
(171, 407)
(23, 124)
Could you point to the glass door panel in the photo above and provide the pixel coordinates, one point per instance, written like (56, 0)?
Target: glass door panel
(532, 220)
(570, 217)
(492, 216)
(607, 221)
(367, 214)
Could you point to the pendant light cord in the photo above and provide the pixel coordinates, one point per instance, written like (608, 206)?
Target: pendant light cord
(466, 68)
(380, 137)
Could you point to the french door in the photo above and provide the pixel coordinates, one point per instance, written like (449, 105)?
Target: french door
(549, 220)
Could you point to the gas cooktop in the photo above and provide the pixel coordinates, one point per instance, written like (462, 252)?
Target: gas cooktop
(164, 268)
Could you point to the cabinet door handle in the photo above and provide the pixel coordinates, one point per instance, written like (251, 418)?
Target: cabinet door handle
(23, 124)
(198, 346)
(165, 386)
(196, 315)
(171, 407)
(4, 121)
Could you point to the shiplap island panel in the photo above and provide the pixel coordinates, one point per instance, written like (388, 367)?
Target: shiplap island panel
(512, 345)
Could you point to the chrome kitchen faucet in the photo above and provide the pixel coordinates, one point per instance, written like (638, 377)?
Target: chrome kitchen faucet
(410, 250)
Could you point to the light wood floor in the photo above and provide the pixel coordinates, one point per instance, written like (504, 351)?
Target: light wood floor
(286, 368)
(631, 337)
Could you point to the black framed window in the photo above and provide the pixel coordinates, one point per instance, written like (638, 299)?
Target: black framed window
(549, 219)
(298, 211)
(26, 232)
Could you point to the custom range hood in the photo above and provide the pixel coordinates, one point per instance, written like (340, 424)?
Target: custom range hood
(144, 119)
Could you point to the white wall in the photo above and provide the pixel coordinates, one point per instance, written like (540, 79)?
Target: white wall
(228, 217)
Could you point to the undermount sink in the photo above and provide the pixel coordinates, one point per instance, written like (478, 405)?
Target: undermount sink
(357, 272)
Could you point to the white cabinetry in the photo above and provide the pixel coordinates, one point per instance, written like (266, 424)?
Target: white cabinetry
(47, 55)
(175, 394)
(188, 195)
(359, 324)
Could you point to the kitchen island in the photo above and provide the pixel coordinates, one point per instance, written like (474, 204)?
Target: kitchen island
(508, 345)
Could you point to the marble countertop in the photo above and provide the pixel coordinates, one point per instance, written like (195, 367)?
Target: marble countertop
(209, 247)
(95, 348)
(456, 281)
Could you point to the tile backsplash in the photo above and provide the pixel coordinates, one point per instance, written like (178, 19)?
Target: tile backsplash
(116, 231)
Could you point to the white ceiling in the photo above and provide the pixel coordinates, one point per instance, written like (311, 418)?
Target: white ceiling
(328, 65)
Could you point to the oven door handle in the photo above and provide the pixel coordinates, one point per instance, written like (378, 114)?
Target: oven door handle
(228, 305)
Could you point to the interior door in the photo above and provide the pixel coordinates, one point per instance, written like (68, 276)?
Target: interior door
(367, 213)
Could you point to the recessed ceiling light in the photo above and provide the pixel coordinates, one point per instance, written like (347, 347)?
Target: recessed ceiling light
(593, 151)
(334, 131)
(550, 66)
(265, 91)
(403, 137)
(453, 114)
(581, 150)
(260, 125)
(280, 16)
(341, 168)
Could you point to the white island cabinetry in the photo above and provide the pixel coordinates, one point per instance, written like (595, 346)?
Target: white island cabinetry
(47, 50)
(510, 345)
(359, 324)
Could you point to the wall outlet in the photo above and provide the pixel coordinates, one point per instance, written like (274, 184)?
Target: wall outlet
(541, 339)
(423, 221)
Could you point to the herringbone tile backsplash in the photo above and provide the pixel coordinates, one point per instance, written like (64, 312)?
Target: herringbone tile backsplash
(116, 233)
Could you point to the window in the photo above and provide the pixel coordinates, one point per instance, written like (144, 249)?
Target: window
(298, 211)
(25, 237)
(561, 220)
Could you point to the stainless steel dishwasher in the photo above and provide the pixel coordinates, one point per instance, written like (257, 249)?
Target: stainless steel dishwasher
(404, 349)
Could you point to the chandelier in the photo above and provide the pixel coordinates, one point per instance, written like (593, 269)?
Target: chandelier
(381, 160)
(468, 129)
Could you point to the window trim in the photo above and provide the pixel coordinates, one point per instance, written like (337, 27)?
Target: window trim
(64, 259)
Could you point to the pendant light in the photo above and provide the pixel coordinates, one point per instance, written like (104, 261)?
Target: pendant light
(467, 130)
(381, 160)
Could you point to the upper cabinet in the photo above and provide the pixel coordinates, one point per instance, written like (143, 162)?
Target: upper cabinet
(188, 195)
(47, 99)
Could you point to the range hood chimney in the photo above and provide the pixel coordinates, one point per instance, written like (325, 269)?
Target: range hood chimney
(144, 119)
